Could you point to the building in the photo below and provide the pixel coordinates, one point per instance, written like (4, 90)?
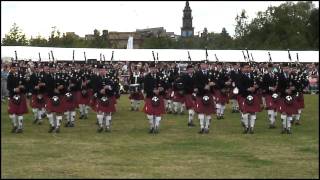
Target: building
(187, 30)
(152, 32)
(119, 40)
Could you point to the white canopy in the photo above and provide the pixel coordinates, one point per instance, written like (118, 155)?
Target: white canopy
(66, 54)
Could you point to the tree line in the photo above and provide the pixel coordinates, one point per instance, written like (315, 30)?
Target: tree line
(289, 25)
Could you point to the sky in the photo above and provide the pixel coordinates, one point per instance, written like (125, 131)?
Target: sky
(37, 18)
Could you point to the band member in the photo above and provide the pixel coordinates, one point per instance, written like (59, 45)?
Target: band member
(190, 96)
(154, 103)
(287, 104)
(55, 86)
(106, 100)
(300, 82)
(38, 89)
(248, 99)
(70, 104)
(204, 100)
(177, 95)
(271, 94)
(84, 93)
(222, 87)
(17, 101)
(234, 74)
(135, 89)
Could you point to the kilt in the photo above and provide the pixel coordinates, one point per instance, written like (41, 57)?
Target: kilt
(253, 108)
(189, 101)
(200, 108)
(136, 96)
(106, 108)
(300, 101)
(92, 103)
(149, 109)
(51, 108)
(178, 97)
(83, 100)
(221, 98)
(167, 95)
(288, 109)
(69, 105)
(18, 109)
(35, 104)
(270, 103)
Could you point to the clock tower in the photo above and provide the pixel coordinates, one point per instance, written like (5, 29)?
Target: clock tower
(187, 30)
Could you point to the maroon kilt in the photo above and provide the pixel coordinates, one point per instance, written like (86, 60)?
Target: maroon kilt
(221, 98)
(189, 101)
(270, 103)
(300, 101)
(288, 109)
(84, 100)
(168, 94)
(178, 97)
(150, 110)
(35, 104)
(108, 108)
(200, 108)
(18, 109)
(136, 96)
(51, 108)
(253, 108)
(70, 105)
(92, 103)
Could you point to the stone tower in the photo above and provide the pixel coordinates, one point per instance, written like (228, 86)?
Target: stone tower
(187, 30)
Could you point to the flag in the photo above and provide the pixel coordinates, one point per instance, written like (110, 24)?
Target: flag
(289, 55)
(206, 54)
(85, 57)
(130, 43)
(39, 57)
(16, 55)
(189, 56)
(73, 55)
(270, 60)
(297, 57)
(112, 56)
(216, 58)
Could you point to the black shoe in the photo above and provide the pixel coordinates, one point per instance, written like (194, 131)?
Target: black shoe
(284, 130)
(14, 129)
(43, 115)
(289, 131)
(19, 130)
(71, 124)
(107, 129)
(151, 131)
(156, 131)
(272, 126)
(51, 129)
(35, 121)
(81, 117)
(57, 130)
(251, 131)
(206, 131)
(222, 117)
(100, 129)
(201, 131)
(233, 111)
(40, 122)
(246, 130)
(67, 124)
(297, 123)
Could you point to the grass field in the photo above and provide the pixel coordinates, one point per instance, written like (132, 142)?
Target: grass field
(177, 152)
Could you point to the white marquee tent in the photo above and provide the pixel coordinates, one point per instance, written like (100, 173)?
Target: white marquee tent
(66, 54)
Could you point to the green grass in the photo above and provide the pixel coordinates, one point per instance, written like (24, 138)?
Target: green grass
(177, 152)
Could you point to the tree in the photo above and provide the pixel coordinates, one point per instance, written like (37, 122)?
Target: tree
(38, 41)
(15, 37)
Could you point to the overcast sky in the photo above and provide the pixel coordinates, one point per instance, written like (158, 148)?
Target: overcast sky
(38, 18)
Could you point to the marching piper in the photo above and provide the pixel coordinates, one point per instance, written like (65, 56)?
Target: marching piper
(136, 94)
(17, 101)
(204, 101)
(154, 103)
